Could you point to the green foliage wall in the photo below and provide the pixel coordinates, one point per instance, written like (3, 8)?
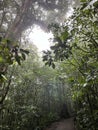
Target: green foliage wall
(35, 97)
(10, 53)
(76, 44)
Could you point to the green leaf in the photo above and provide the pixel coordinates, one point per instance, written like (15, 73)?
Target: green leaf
(53, 65)
(85, 85)
(95, 4)
(25, 51)
(18, 59)
(46, 63)
(23, 56)
(64, 36)
(3, 76)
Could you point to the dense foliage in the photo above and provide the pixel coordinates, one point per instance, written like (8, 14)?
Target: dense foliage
(33, 95)
(10, 53)
(22, 97)
(76, 45)
(36, 96)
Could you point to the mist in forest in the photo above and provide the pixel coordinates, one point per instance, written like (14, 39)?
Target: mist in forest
(42, 87)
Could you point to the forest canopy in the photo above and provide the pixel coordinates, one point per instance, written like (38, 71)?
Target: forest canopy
(33, 95)
(18, 15)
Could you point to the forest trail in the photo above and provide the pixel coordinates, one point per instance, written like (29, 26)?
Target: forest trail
(65, 124)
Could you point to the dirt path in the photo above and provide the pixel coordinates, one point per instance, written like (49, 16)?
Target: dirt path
(67, 124)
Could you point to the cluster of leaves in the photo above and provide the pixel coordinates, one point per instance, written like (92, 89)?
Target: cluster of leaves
(81, 53)
(10, 53)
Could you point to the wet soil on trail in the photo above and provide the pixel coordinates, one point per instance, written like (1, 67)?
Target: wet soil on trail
(64, 124)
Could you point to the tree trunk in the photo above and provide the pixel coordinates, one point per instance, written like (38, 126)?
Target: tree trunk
(14, 31)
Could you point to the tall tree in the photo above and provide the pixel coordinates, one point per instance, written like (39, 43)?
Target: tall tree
(17, 16)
